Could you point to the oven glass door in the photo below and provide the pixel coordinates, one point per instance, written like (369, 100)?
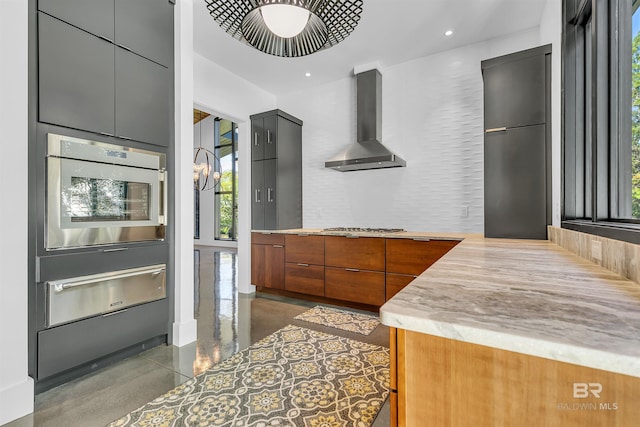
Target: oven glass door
(91, 203)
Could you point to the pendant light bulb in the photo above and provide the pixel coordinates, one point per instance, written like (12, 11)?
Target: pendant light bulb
(285, 20)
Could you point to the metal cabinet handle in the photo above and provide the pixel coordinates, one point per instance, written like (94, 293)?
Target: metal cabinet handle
(355, 270)
(421, 239)
(255, 139)
(502, 129)
(278, 246)
(61, 286)
(164, 198)
(302, 265)
(115, 250)
(269, 136)
(269, 194)
(258, 195)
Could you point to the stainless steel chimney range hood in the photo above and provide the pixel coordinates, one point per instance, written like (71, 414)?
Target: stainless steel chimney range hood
(368, 152)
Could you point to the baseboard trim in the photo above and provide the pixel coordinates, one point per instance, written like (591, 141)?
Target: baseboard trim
(16, 401)
(185, 333)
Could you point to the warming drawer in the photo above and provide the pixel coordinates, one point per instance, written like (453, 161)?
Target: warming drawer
(80, 297)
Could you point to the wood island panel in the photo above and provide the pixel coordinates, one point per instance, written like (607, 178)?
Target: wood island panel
(366, 287)
(364, 253)
(305, 279)
(304, 249)
(257, 265)
(446, 382)
(413, 256)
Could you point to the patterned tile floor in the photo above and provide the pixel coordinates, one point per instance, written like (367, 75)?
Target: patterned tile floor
(227, 323)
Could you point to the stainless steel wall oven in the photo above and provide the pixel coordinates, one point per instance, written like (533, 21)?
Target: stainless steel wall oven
(99, 193)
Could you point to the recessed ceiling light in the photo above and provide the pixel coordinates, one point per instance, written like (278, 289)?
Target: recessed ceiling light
(448, 33)
(307, 74)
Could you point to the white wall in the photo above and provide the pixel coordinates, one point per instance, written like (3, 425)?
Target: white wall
(224, 94)
(551, 32)
(432, 116)
(16, 387)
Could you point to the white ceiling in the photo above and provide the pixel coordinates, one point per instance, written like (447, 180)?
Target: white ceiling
(389, 32)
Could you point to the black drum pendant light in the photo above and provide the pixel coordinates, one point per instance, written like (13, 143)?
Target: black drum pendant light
(288, 28)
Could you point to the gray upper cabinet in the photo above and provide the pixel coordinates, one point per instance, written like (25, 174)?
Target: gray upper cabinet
(276, 172)
(513, 104)
(94, 16)
(143, 101)
(146, 27)
(76, 77)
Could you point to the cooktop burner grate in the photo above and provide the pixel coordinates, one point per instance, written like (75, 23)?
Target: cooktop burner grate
(365, 230)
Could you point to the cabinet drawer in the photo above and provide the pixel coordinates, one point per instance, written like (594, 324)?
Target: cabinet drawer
(408, 256)
(365, 287)
(267, 239)
(304, 278)
(73, 344)
(304, 249)
(364, 253)
(395, 283)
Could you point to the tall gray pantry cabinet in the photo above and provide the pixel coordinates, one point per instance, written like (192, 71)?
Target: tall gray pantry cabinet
(100, 70)
(517, 144)
(276, 171)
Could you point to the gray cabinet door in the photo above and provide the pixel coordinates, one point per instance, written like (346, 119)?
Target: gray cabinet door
(515, 184)
(94, 16)
(75, 77)
(143, 99)
(270, 137)
(271, 193)
(515, 93)
(257, 195)
(146, 27)
(257, 145)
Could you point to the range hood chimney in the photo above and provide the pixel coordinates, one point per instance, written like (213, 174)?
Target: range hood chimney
(368, 152)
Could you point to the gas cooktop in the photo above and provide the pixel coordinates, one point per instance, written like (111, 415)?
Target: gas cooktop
(365, 230)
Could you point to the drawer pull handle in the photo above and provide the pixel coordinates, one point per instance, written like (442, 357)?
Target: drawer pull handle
(278, 246)
(302, 265)
(422, 239)
(352, 237)
(501, 129)
(355, 270)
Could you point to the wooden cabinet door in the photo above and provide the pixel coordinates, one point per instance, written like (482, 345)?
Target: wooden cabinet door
(274, 267)
(304, 278)
(76, 77)
(269, 137)
(366, 287)
(363, 253)
(143, 99)
(146, 27)
(304, 249)
(257, 143)
(413, 256)
(257, 264)
(395, 283)
(94, 16)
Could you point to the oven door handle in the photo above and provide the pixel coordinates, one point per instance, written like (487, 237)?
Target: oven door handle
(62, 285)
(163, 197)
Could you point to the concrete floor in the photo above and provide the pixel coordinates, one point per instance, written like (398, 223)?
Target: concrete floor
(227, 323)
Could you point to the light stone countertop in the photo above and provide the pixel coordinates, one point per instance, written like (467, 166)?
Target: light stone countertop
(530, 297)
(527, 296)
(397, 235)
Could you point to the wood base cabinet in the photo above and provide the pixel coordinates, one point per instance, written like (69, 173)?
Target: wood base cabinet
(304, 271)
(366, 287)
(443, 382)
(267, 260)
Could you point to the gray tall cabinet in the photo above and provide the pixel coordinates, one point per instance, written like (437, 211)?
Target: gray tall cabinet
(517, 144)
(100, 70)
(276, 171)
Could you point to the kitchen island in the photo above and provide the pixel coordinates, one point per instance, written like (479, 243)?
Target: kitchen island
(515, 332)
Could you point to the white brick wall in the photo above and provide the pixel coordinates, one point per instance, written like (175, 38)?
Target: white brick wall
(432, 116)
